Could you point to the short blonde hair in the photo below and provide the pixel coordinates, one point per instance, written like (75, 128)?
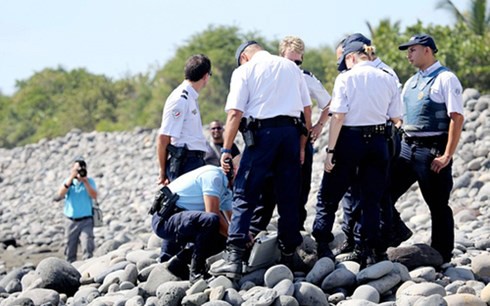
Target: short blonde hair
(291, 43)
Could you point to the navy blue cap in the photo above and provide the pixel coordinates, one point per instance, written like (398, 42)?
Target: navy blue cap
(356, 37)
(242, 47)
(420, 39)
(352, 46)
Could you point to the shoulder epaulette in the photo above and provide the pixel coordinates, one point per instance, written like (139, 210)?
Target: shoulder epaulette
(307, 73)
(184, 94)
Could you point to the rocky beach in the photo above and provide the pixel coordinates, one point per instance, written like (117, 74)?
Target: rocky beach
(124, 270)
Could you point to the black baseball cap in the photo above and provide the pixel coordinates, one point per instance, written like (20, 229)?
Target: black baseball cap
(242, 48)
(356, 37)
(353, 46)
(420, 39)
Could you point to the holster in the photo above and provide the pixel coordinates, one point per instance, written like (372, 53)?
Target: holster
(248, 127)
(165, 204)
(176, 159)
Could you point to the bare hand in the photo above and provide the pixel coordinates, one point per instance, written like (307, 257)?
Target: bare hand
(328, 162)
(439, 163)
(316, 131)
(224, 165)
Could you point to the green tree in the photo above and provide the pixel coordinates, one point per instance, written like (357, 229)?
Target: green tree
(477, 17)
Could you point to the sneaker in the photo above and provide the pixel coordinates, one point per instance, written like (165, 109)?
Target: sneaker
(355, 255)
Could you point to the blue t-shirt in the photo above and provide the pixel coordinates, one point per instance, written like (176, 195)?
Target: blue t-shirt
(78, 202)
(207, 180)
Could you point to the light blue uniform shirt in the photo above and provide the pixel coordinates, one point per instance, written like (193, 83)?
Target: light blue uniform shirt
(78, 202)
(207, 180)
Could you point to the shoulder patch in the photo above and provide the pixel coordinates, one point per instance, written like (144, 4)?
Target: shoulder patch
(307, 72)
(176, 113)
(457, 91)
(184, 94)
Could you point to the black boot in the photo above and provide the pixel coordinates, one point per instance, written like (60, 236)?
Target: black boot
(178, 267)
(197, 270)
(323, 250)
(401, 232)
(232, 265)
(354, 255)
(368, 258)
(287, 259)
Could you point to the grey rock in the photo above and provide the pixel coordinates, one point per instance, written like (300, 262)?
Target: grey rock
(194, 299)
(259, 296)
(41, 296)
(463, 299)
(275, 274)
(340, 277)
(459, 273)
(99, 278)
(233, 297)
(320, 270)
(159, 275)
(59, 275)
(357, 302)
(256, 277)
(197, 287)
(171, 293)
(309, 294)
(366, 292)
(427, 273)
(216, 293)
(385, 283)
(432, 300)
(216, 303)
(375, 271)
(284, 287)
(13, 286)
(221, 281)
(285, 300)
(13, 301)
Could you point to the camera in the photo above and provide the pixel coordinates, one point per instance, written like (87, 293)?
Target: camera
(82, 172)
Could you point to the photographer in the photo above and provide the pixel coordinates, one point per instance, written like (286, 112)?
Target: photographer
(79, 191)
(197, 226)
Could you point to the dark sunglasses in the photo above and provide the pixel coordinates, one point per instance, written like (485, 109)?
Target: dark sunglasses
(219, 128)
(298, 62)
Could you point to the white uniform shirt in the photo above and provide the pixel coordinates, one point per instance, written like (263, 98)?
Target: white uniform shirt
(268, 86)
(316, 89)
(445, 89)
(367, 95)
(378, 63)
(181, 119)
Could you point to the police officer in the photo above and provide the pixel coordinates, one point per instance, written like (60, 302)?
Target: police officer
(364, 98)
(293, 48)
(350, 201)
(199, 228)
(271, 90)
(432, 121)
(181, 130)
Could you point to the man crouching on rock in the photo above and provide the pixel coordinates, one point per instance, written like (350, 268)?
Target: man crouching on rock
(191, 215)
(79, 191)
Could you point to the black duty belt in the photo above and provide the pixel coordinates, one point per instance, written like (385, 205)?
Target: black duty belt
(371, 129)
(80, 219)
(195, 153)
(278, 121)
(426, 142)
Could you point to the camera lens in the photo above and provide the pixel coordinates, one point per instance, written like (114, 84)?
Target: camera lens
(82, 172)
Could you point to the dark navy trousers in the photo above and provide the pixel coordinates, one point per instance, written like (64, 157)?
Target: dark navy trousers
(190, 163)
(358, 157)
(265, 209)
(412, 166)
(350, 201)
(276, 152)
(197, 227)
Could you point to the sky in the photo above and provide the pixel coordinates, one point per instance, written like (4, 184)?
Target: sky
(118, 38)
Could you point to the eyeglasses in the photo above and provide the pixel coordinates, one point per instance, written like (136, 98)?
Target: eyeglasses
(210, 73)
(298, 62)
(218, 128)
